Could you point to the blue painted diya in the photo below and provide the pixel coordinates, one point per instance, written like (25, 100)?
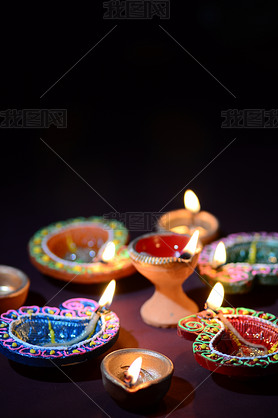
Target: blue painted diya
(27, 335)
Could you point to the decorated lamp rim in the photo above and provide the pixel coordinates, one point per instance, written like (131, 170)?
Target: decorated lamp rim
(154, 260)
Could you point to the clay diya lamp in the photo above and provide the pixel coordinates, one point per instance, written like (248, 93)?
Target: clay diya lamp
(167, 260)
(240, 260)
(233, 341)
(136, 378)
(185, 221)
(47, 336)
(71, 250)
(14, 286)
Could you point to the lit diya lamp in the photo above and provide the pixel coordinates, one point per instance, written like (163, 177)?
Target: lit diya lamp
(43, 336)
(185, 221)
(74, 250)
(232, 341)
(239, 259)
(167, 260)
(136, 378)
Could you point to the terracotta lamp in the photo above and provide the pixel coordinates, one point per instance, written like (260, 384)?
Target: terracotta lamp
(75, 250)
(136, 378)
(241, 260)
(185, 221)
(167, 260)
(14, 286)
(232, 341)
(47, 336)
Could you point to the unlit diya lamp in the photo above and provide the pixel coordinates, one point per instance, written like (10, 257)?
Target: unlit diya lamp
(167, 260)
(14, 286)
(239, 260)
(75, 250)
(136, 378)
(44, 336)
(232, 341)
(185, 221)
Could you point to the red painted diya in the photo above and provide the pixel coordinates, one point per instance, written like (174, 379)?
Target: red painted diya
(158, 258)
(216, 350)
(71, 250)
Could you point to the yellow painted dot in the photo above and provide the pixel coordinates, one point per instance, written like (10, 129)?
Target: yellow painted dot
(32, 351)
(116, 241)
(203, 346)
(215, 329)
(205, 337)
(30, 311)
(2, 325)
(37, 240)
(92, 343)
(98, 268)
(44, 232)
(265, 316)
(275, 357)
(45, 257)
(75, 351)
(59, 265)
(89, 313)
(105, 336)
(255, 360)
(5, 335)
(51, 312)
(68, 314)
(59, 225)
(37, 250)
(52, 352)
(118, 233)
(77, 268)
(14, 344)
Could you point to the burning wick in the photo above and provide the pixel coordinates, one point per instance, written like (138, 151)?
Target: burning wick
(132, 373)
(106, 253)
(213, 304)
(192, 204)
(190, 248)
(220, 256)
(104, 303)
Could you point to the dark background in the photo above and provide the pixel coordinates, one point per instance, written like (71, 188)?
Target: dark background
(144, 118)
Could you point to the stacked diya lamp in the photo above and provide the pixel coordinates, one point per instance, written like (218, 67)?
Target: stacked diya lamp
(167, 260)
